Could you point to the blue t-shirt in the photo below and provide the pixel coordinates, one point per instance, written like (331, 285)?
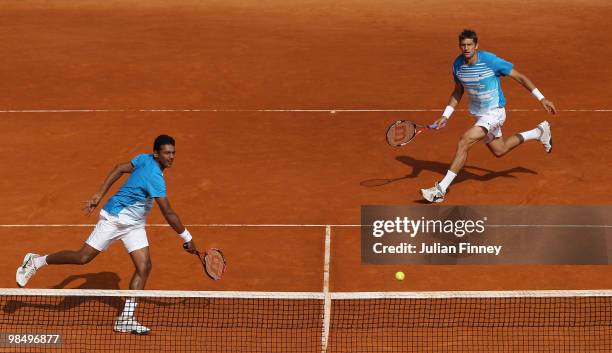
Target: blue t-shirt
(134, 199)
(481, 81)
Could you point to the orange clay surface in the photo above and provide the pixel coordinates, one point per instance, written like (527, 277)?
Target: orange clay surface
(287, 167)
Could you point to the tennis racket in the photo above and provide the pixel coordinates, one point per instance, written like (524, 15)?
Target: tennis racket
(402, 132)
(213, 261)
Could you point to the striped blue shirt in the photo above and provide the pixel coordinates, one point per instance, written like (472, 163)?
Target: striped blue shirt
(481, 81)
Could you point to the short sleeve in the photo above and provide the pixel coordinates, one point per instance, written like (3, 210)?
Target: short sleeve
(501, 66)
(138, 160)
(156, 187)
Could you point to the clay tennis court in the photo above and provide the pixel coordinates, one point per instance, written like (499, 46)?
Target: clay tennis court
(263, 164)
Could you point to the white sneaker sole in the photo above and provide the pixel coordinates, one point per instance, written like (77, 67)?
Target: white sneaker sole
(132, 331)
(21, 268)
(133, 328)
(432, 199)
(550, 140)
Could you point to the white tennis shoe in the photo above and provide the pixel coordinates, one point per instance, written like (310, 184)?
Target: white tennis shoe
(129, 324)
(433, 194)
(546, 137)
(26, 270)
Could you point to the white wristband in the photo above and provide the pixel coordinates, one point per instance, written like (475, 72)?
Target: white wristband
(186, 235)
(536, 93)
(448, 111)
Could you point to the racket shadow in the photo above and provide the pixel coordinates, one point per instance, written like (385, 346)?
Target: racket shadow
(372, 183)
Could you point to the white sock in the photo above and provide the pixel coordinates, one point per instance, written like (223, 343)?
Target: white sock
(130, 307)
(533, 134)
(40, 261)
(448, 179)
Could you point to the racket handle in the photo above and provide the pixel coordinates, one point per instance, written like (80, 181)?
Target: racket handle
(433, 126)
(185, 246)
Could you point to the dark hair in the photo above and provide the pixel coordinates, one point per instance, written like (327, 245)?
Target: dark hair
(468, 34)
(162, 140)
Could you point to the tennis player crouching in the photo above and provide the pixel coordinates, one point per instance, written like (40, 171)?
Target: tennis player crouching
(123, 217)
(477, 72)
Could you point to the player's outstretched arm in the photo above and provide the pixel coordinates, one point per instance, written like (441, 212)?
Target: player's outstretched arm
(175, 222)
(526, 82)
(114, 175)
(454, 99)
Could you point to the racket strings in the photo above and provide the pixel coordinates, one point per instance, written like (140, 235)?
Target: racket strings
(215, 264)
(401, 133)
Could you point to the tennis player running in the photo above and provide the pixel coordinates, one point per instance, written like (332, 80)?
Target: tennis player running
(123, 217)
(477, 72)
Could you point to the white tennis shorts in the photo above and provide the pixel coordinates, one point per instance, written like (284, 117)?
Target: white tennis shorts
(109, 228)
(492, 121)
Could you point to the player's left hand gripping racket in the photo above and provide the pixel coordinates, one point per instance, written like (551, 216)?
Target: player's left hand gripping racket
(402, 132)
(213, 261)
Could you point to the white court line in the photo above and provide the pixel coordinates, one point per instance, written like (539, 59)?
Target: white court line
(327, 259)
(307, 225)
(323, 110)
(327, 296)
(308, 295)
(186, 225)
(549, 226)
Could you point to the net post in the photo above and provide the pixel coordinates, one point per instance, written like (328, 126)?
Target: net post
(327, 300)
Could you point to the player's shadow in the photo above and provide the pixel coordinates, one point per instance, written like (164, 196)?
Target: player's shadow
(65, 303)
(99, 280)
(468, 172)
(90, 309)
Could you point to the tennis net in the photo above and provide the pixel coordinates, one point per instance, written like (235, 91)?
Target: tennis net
(514, 321)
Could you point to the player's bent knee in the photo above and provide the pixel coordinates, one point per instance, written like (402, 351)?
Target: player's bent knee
(86, 253)
(464, 144)
(144, 269)
(85, 258)
(500, 153)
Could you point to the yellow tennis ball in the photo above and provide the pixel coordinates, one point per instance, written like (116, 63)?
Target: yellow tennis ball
(400, 276)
